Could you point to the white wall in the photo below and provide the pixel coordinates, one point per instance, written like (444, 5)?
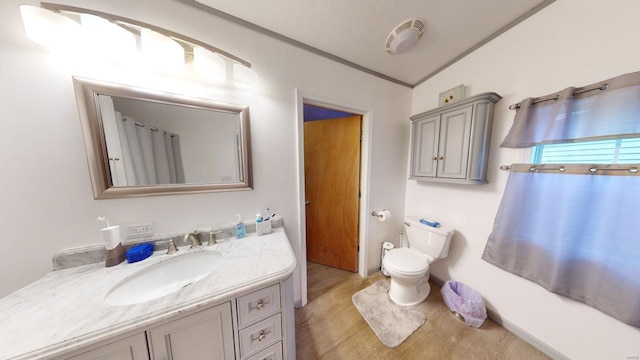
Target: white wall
(47, 202)
(571, 42)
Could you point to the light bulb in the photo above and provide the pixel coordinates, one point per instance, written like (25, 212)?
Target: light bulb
(49, 29)
(108, 41)
(209, 65)
(244, 76)
(161, 52)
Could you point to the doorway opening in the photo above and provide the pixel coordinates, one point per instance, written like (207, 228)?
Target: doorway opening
(332, 173)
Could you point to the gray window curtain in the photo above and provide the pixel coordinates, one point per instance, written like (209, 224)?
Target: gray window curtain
(576, 235)
(607, 109)
(574, 229)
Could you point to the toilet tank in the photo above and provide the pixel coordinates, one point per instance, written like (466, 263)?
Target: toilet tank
(432, 241)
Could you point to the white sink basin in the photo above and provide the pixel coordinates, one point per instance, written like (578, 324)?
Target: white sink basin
(163, 278)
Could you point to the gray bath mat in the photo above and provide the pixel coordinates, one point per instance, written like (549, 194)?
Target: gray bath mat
(391, 323)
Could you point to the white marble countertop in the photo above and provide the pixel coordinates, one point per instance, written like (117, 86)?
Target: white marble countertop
(64, 310)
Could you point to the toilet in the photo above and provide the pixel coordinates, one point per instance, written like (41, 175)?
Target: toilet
(408, 266)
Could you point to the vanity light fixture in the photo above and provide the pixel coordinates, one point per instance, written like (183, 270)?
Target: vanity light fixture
(56, 27)
(49, 29)
(161, 52)
(209, 64)
(243, 76)
(108, 40)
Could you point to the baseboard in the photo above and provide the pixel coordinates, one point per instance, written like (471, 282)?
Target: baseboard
(373, 270)
(516, 330)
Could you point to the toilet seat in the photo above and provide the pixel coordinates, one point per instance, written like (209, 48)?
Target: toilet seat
(406, 261)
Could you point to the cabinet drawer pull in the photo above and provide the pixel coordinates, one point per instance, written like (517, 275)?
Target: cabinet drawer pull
(434, 158)
(440, 157)
(261, 336)
(260, 305)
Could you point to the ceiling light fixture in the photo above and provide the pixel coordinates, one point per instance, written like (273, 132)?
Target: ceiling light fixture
(405, 36)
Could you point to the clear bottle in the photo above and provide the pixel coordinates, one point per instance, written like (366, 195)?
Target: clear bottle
(241, 230)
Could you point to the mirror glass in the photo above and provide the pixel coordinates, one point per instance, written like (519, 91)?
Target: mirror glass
(141, 142)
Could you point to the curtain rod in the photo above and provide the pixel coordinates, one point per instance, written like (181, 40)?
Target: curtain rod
(570, 169)
(580, 91)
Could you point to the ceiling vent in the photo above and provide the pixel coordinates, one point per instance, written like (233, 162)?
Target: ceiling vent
(404, 36)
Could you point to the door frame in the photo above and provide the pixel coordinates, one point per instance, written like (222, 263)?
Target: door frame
(303, 97)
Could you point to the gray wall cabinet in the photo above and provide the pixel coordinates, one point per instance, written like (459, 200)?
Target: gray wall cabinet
(451, 143)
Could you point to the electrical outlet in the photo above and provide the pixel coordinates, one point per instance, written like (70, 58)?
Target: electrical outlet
(140, 230)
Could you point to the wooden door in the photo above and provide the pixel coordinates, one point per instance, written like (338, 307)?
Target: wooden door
(455, 132)
(332, 184)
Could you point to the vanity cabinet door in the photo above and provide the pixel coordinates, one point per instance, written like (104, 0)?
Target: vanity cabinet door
(204, 335)
(131, 348)
(453, 148)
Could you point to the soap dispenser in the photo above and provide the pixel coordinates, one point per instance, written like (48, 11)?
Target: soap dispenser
(115, 250)
(241, 230)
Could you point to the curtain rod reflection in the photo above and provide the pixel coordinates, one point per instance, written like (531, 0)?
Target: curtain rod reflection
(124, 118)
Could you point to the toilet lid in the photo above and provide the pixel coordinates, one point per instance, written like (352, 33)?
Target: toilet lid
(406, 260)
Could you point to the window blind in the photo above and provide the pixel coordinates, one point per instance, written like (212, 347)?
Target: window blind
(613, 151)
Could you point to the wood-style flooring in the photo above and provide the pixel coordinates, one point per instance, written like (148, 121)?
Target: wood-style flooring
(330, 327)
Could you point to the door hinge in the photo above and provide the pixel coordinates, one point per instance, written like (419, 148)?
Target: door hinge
(358, 248)
(359, 194)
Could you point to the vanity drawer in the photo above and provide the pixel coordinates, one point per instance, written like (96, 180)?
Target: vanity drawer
(261, 335)
(258, 305)
(273, 352)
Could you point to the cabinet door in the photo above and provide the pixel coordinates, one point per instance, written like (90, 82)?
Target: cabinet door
(204, 335)
(453, 149)
(425, 146)
(131, 348)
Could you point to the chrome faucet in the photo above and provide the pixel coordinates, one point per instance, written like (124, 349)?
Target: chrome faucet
(212, 237)
(171, 246)
(195, 240)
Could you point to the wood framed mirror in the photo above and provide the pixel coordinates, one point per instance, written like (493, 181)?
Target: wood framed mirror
(142, 142)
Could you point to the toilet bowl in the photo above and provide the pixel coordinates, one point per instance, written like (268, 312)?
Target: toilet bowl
(408, 266)
(409, 271)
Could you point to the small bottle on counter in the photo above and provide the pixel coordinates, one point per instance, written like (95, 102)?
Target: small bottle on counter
(241, 230)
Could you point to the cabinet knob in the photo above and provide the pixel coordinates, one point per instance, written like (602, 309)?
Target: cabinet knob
(260, 304)
(434, 158)
(262, 335)
(440, 157)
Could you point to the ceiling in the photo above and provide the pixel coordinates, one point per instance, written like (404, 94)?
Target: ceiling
(354, 31)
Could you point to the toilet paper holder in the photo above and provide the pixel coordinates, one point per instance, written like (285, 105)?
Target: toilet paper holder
(376, 214)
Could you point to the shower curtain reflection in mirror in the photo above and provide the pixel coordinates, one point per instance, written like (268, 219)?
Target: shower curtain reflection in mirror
(153, 143)
(139, 153)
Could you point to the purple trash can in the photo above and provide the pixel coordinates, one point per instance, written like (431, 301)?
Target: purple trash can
(465, 304)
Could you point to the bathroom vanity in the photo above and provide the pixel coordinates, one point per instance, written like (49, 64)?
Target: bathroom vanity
(242, 310)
